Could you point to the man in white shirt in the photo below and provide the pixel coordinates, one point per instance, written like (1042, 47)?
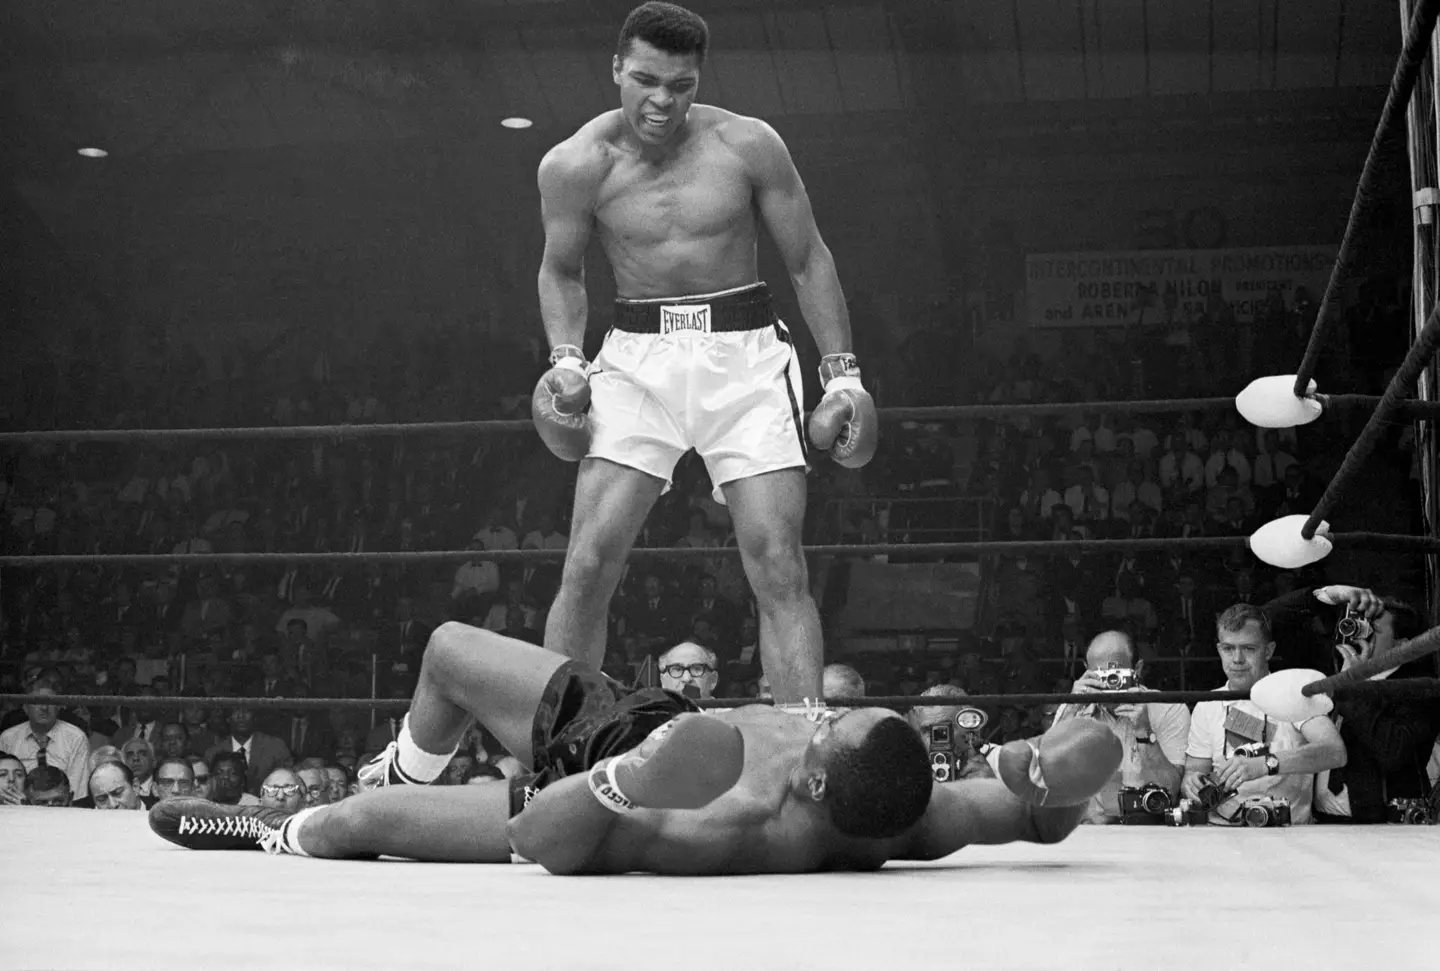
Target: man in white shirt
(1135, 488)
(45, 740)
(475, 578)
(1292, 753)
(1154, 735)
(1089, 500)
(1181, 468)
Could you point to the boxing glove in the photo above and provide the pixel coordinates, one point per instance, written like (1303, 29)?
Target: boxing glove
(1064, 767)
(559, 406)
(844, 423)
(686, 763)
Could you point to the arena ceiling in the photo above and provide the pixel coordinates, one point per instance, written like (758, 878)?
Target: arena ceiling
(174, 77)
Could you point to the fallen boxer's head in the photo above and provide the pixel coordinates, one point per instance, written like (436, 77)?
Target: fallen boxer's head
(869, 770)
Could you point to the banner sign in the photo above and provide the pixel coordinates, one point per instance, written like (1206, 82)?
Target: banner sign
(1168, 286)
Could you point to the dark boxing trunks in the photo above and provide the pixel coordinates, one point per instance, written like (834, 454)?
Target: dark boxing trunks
(585, 717)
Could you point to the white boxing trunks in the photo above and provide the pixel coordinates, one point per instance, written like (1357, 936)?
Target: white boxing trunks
(716, 372)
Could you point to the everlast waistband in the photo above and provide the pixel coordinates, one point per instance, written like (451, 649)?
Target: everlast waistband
(729, 311)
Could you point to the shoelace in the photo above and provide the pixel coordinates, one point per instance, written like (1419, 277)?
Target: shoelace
(241, 827)
(377, 771)
(244, 827)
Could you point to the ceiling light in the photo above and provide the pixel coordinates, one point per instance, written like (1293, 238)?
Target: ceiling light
(516, 123)
(93, 152)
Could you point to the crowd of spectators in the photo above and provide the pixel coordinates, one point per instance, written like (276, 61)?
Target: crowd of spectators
(357, 631)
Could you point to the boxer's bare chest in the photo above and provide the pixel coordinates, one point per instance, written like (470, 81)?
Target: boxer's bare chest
(700, 194)
(756, 827)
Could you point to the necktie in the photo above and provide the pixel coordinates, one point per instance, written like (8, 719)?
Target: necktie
(40, 759)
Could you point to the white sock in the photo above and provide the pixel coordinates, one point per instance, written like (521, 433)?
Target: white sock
(414, 762)
(290, 830)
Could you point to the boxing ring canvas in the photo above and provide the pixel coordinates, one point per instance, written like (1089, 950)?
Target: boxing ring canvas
(98, 890)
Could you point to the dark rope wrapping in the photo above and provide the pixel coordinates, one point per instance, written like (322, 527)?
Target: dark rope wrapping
(1410, 687)
(1415, 361)
(1412, 650)
(1402, 84)
(1388, 541)
(1408, 410)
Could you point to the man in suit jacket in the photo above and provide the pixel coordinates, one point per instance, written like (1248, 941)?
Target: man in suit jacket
(263, 752)
(1187, 614)
(1388, 740)
(272, 683)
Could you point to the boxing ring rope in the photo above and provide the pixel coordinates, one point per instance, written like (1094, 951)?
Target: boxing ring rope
(1415, 361)
(1400, 542)
(1416, 409)
(1351, 682)
(1407, 72)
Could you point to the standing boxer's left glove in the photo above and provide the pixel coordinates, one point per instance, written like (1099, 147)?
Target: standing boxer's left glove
(560, 404)
(844, 422)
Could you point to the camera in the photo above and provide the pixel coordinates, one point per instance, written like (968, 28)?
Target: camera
(940, 744)
(1188, 813)
(1410, 812)
(1143, 805)
(1352, 628)
(1211, 794)
(1251, 750)
(1260, 812)
(1117, 679)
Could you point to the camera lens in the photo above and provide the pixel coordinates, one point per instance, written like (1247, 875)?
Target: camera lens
(1257, 816)
(1155, 801)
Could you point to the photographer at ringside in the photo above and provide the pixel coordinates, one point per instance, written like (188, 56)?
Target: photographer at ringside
(951, 733)
(1153, 734)
(1388, 740)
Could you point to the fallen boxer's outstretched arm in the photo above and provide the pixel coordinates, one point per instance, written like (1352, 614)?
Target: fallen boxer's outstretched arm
(1046, 784)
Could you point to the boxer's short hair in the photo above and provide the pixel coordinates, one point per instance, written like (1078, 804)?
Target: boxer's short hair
(666, 27)
(881, 787)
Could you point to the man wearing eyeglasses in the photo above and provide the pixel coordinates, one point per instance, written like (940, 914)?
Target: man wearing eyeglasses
(200, 772)
(174, 778)
(690, 669)
(283, 789)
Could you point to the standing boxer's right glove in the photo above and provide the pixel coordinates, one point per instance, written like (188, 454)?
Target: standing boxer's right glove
(560, 403)
(844, 423)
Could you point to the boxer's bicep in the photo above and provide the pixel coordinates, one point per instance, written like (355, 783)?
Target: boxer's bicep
(780, 196)
(566, 211)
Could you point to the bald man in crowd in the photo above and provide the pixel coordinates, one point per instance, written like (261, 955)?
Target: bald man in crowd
(1154, 735)
(841, 681)
(112, 786)
(283, 789)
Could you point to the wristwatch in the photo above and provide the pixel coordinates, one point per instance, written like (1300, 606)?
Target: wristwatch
(1146, 739)
(1272, 765)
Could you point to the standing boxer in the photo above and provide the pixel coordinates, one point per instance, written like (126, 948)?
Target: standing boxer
(697, 358)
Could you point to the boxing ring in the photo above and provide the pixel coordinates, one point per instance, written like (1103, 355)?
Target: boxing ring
(99, 890)
(1107, 897)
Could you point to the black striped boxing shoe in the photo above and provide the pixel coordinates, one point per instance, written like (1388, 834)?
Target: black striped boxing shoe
(199, 824)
